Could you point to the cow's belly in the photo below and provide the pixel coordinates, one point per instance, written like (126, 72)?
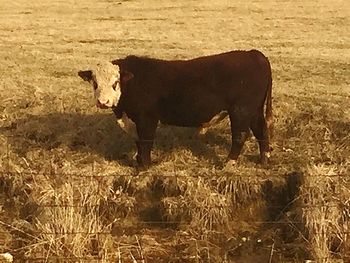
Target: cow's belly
(188, 116)
(182, 122)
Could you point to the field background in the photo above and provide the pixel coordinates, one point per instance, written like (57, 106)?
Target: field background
(68, 188)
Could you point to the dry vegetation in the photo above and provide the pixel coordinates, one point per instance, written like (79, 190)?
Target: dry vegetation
(68, 190)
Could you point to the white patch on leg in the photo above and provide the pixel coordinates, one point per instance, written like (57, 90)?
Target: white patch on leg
(265, 158)
(128, 126)
(268, 155)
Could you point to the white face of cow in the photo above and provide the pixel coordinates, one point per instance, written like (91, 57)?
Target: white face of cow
(105, 79)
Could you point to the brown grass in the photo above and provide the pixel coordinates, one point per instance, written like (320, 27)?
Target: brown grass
(325, 206)
(68, 188)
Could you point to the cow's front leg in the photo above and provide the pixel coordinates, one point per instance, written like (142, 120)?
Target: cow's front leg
(144, 149)
(238, 139)
(146, 129)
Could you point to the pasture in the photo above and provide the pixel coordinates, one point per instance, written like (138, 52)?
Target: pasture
(69, 191)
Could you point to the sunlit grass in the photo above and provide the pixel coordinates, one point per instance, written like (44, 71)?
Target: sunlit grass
(49, 126)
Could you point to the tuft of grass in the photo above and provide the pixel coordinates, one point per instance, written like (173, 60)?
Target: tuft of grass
(68, 220)
(204, 208)
(325, 214)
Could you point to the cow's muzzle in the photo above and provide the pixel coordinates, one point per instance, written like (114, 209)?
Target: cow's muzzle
(101, 105)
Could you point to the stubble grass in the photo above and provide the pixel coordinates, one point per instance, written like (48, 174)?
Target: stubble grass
(60, 156)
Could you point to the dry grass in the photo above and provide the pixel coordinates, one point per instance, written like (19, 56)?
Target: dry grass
(324, 197)
(67, 169)
(201, 205)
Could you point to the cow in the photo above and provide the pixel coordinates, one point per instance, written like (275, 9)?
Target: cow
(198, 92)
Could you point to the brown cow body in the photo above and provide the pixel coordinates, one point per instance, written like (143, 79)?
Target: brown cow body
(190, 93)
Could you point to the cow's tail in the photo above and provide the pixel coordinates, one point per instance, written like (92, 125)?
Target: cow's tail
(268, 112)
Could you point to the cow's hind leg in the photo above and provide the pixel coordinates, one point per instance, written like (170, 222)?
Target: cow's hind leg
(261, 133)
(240, 120)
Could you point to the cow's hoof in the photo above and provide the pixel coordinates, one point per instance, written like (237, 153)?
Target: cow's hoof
(230, 165)
(141, 169)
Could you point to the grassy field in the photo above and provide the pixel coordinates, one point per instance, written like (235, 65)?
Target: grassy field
(68, 189)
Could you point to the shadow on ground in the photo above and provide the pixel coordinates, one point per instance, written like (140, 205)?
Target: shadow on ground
(99, 133)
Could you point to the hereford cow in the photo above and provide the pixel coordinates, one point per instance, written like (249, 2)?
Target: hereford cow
(189, 93)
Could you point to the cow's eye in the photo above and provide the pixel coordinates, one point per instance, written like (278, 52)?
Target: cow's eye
(114, 86)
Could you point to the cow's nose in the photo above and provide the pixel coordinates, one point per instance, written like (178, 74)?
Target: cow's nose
(102, 105)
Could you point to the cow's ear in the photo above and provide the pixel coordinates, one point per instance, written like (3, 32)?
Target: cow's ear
(126, 75)
(85, 75)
